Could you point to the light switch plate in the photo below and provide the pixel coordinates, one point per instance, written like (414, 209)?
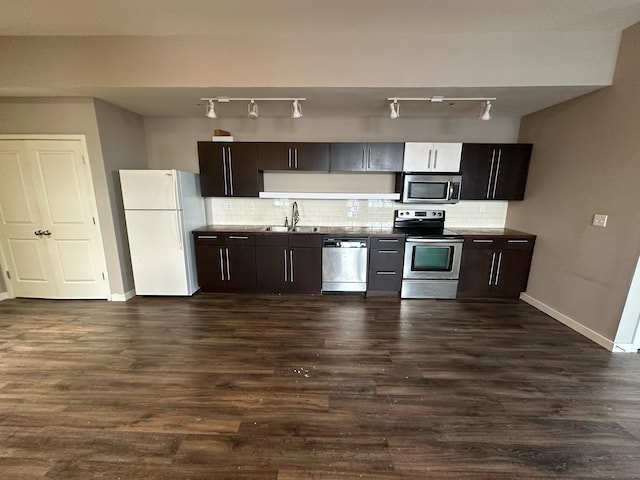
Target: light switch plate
(600, 220)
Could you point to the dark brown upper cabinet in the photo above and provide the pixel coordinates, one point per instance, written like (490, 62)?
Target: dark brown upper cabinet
(293, 156)
(367, 157)
(494, 171)
(229, 169)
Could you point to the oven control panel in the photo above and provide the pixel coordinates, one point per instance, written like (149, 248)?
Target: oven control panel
(418, 214)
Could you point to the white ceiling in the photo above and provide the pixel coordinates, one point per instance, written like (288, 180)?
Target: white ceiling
(308, 17)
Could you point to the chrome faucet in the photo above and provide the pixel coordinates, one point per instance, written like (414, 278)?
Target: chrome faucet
(295, 215)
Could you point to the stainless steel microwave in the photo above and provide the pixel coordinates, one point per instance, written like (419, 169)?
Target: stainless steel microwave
(431, 188)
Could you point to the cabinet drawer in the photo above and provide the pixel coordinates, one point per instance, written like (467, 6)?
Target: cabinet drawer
(273, 239)
(208, 238)
(386, 260)
(387, 243)
(305, 240)
(240, 239)
(500, 243)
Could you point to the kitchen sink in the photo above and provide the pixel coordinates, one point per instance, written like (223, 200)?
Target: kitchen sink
(299, 229)
(276, 228)
(305, 229)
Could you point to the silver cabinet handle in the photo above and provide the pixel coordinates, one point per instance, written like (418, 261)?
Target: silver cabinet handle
(493, 261)
(388, 252)
(230, 171)
(363, 155)
(386, 273)
(221, 266)
(482, 241)
(429, 160)
(291, 264)
(495, 177)
(224, 171)
(498, 268)
(237, 237)
(388, 240)
(517, 241)
(295, 151)
(435, 159)
(228, 270)
(285, 265)
(207, 236)
(493, 159)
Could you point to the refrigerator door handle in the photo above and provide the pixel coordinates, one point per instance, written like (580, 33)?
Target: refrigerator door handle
(179, 231)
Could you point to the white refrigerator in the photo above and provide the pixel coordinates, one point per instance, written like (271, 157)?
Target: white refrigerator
(161, 209)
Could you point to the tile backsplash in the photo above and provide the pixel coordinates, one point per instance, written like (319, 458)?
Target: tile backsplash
(346, 213)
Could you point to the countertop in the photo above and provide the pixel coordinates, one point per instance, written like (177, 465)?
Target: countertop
(470, 232)
(321, 230)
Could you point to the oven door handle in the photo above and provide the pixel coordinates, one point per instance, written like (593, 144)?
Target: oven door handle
(434, 240)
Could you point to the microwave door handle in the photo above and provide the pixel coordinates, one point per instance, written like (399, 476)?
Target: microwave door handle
(450, 196)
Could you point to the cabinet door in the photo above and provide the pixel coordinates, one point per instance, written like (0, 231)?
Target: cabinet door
(305, 270)
(271, 264)
(475, 270)
(511, 273)
(348, 157)
(311, 156)
(213, 168)
(511, 170)
(209, 264)
(385, 270)
(384, 157)
(275, 156)
(241, 267)
(229, 169)
(476, 168)
(446, 157)
(243, 167)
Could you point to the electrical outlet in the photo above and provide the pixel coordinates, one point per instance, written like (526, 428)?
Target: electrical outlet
(252, 206)
(600, 220)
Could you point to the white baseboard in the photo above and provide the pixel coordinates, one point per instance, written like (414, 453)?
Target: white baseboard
(116, 297)
(570, 322)
(4, 296)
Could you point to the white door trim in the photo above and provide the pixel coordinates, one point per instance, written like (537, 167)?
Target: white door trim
(85, 152)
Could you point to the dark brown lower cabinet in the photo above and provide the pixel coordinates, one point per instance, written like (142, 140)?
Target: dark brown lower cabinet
(386, 257)
(289, 263)
(495, 266)
(225, 262)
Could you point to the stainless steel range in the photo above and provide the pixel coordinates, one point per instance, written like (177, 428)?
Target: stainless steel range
(432, 254)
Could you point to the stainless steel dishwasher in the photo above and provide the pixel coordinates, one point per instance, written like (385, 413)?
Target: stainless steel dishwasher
(344, 264)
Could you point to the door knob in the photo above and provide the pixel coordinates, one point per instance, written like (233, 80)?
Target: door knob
(38, 232)
(46, 233)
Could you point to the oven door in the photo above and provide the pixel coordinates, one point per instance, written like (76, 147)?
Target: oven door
(432, 259)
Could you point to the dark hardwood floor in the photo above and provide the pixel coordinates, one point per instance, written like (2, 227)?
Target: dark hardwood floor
(298, 388)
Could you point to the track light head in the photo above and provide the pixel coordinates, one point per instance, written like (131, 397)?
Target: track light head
(485, 110)
(395, 109)
(211, 110)
(253, 110)
(296, 109)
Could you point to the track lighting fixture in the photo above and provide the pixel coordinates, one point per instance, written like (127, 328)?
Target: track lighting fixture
(485, 110)
(485, 113)
(395, 109)
(211, 110)
(253, 110)
(296, 109)
(252, 107)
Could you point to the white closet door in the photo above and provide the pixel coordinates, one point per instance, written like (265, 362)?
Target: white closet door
(57, 182)
(25, 252)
